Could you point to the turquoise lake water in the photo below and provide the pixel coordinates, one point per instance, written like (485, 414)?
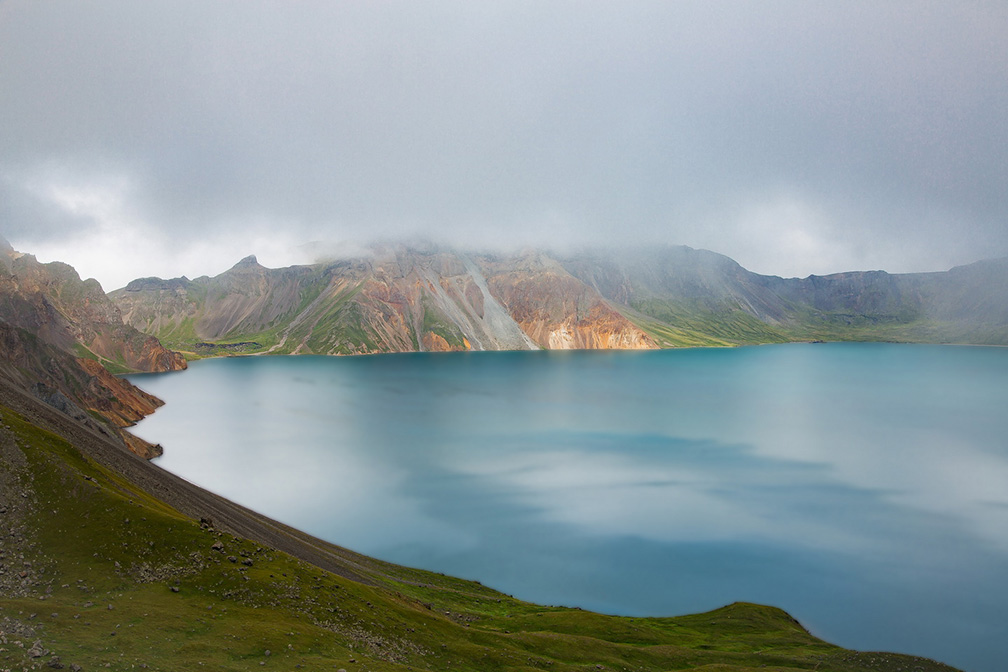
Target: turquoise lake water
(861, 487)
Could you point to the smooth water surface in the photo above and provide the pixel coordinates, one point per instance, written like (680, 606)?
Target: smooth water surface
(861, 487)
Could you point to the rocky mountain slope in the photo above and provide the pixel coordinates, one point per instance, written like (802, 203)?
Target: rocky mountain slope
(59, 339)
(680, 288)
(415, 299)
(398, 300)
(52, 302)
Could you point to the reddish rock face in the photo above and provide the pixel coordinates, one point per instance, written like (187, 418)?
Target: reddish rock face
(48, 317)
(156, 357)
(116, 399)
(52, 302)
(434, 343)
(80, 388)
(558, 311)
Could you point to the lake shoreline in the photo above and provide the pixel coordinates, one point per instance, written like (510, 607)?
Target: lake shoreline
(415, 389)
(211, 518)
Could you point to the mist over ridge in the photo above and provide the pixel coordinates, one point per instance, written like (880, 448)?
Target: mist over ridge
(398, 297)
(795, 138)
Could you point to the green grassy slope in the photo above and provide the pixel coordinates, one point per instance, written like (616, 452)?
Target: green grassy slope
(100, 574)
(682, 324)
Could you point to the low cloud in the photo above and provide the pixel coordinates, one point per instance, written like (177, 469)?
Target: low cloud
(796, 138)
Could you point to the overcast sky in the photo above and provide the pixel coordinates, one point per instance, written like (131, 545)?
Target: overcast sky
(170, 138)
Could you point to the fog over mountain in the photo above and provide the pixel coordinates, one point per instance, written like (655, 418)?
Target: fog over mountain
(168, 138)
(401, 299)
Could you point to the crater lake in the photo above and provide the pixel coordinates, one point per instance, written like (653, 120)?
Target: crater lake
(862, 487)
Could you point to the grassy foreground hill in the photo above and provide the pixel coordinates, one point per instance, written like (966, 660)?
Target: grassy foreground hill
(108, 562)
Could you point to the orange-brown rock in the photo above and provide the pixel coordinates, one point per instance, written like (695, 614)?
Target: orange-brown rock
(434, 343)
(115, 398)
(144, 449)
(53, 303)
(48, 316)
(79, 388)
(558, 311)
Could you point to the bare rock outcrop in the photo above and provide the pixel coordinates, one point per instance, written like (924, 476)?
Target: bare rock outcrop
(53, 303)
(58, 334)
(558, 311)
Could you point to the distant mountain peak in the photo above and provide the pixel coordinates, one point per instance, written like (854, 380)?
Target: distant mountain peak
(152, 283)
(248, 262)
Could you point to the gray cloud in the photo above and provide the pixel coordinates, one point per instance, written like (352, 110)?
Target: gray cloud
(796, 137)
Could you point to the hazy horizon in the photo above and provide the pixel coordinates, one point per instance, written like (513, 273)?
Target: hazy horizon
(174, 138)
(326, 253)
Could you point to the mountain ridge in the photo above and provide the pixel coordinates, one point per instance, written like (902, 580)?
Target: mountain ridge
(400, 298)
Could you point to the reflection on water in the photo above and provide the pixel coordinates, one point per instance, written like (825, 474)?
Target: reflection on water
(860, 486)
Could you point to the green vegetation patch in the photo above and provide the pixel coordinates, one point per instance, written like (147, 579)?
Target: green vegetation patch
(434, 321)
(674, 324)
(343, 328)
(114, 366)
